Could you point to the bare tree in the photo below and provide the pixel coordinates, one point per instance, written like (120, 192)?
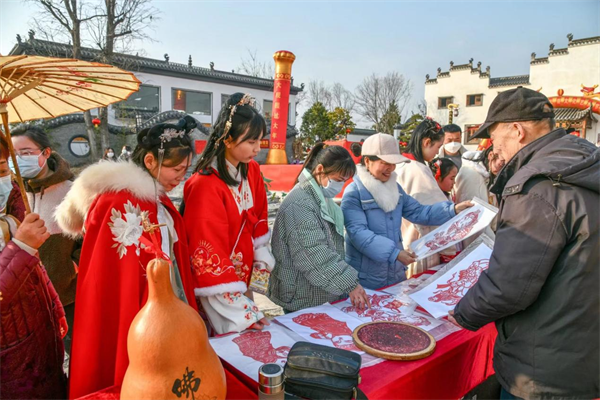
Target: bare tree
(422, 107)
(341, 97)
(123, 22)
(318, 92)
(64, 20)
(376, 94)
(253, 67)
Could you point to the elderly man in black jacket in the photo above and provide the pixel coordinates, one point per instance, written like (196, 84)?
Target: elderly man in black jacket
(543, 283)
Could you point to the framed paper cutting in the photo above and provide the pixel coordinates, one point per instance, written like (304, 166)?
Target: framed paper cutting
(462, 226)
(445, 289)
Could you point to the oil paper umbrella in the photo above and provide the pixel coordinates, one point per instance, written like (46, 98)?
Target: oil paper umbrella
(33, 88)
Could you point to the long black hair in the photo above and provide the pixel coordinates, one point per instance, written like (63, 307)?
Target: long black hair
(334, 159)
(427, 129)
(176, 149)
(246, 121)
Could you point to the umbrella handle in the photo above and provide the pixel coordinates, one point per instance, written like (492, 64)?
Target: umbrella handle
(11, 150)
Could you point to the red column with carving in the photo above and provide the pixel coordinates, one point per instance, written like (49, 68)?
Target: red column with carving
(281, 100)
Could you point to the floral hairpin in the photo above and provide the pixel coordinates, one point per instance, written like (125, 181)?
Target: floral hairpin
(170, 134)
(247, 99)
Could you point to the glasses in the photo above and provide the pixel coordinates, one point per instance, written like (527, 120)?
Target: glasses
(28, 152)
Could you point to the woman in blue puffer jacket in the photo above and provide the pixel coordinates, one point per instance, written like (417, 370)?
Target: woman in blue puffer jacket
(374, 205)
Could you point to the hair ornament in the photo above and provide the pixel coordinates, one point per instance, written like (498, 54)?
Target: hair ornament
(246, 100)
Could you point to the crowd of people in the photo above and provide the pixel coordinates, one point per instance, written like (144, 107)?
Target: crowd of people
(73, 270)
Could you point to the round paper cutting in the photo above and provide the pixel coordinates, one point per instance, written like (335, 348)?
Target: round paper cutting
(394, 340)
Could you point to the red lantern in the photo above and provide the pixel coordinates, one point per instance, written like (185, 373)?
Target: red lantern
(96, 122)
(348, 130)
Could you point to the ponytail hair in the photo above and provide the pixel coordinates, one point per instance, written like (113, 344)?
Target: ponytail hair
(334, 159)
(427, 129)
(238, 118)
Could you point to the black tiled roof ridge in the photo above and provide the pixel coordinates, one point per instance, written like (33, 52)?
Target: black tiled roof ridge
(509, 80)
(540, 60)
(127, 60)
(557, 52)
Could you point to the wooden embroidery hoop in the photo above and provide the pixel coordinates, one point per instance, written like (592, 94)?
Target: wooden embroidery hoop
(389, 355)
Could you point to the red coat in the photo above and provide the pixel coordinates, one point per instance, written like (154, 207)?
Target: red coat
(112, 285)
(32, 351)
(213, 222)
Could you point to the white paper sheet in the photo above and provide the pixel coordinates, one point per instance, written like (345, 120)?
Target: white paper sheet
(248, 350)
(405, 287)
(462, 226)
(324, 325)
(441, 295)
(384, 306)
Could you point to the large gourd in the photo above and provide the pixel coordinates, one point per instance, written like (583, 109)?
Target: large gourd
(169, 353)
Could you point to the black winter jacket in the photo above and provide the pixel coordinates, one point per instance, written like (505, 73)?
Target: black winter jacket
(543, 283)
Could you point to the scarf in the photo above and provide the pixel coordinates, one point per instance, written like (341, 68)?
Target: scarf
(330, 211)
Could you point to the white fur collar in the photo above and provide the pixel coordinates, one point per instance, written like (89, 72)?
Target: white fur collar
(107, 176)
(385, 194)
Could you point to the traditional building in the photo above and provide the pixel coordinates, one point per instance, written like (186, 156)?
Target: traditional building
(168, 90)
(568, 76)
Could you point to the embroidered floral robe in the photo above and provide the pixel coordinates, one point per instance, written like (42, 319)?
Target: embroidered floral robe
(112, 286)
(227, 232)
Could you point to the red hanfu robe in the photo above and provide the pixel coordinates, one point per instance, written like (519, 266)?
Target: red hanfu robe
(112, 285)
(225, 225)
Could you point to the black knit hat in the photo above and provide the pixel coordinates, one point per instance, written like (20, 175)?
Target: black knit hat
(515, 105)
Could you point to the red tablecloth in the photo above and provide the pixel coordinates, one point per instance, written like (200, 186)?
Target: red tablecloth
(236, 390)
(461, 361)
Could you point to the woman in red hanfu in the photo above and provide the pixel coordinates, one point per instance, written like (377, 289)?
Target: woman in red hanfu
(108, 202)
(225, 214)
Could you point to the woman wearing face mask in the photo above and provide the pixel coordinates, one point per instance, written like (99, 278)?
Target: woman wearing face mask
(48, 179)
(225, 213)
(108, 202)
(374, 205)
(125, 153)
(474, 179)
(33, 319)
(109, 155)
(418, 182)
(308, 237)
(444, 170)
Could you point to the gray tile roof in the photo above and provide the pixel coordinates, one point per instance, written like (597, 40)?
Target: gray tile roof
(509, 81)
(571, 114)
(149, 65)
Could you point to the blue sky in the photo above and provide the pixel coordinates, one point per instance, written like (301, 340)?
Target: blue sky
(347, 41)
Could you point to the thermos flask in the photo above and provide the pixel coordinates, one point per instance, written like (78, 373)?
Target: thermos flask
(270, 382)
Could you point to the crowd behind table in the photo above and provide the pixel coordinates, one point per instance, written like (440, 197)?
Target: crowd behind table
(72, 271)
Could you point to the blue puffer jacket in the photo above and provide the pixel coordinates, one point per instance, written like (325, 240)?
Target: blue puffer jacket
(373, 238)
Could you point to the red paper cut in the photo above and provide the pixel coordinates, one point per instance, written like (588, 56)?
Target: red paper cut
(456, 287)
(257, 345)
(328, 328)
(457, 231)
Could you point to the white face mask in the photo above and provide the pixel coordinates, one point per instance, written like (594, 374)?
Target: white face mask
(452, 147)
(5, 189)
(332, 188)
(109, 154)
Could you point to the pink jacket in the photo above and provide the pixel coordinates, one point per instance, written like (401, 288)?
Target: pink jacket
(31, 349)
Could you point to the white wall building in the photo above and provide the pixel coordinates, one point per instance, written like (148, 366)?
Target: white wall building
(566, 69)
(166, 86)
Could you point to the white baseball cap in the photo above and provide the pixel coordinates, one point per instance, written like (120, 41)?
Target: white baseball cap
(383, 146)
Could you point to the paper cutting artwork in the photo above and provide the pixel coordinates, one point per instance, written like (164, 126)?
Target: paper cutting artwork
(459, 228)
(324, 325)
(450, 293)
(327, 328)
(257, 345)
(442, 294)
(248, 350)
(455, 232)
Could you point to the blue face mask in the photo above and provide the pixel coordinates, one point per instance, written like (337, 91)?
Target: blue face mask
(28, 165)
(332, 188)
(5, 188)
